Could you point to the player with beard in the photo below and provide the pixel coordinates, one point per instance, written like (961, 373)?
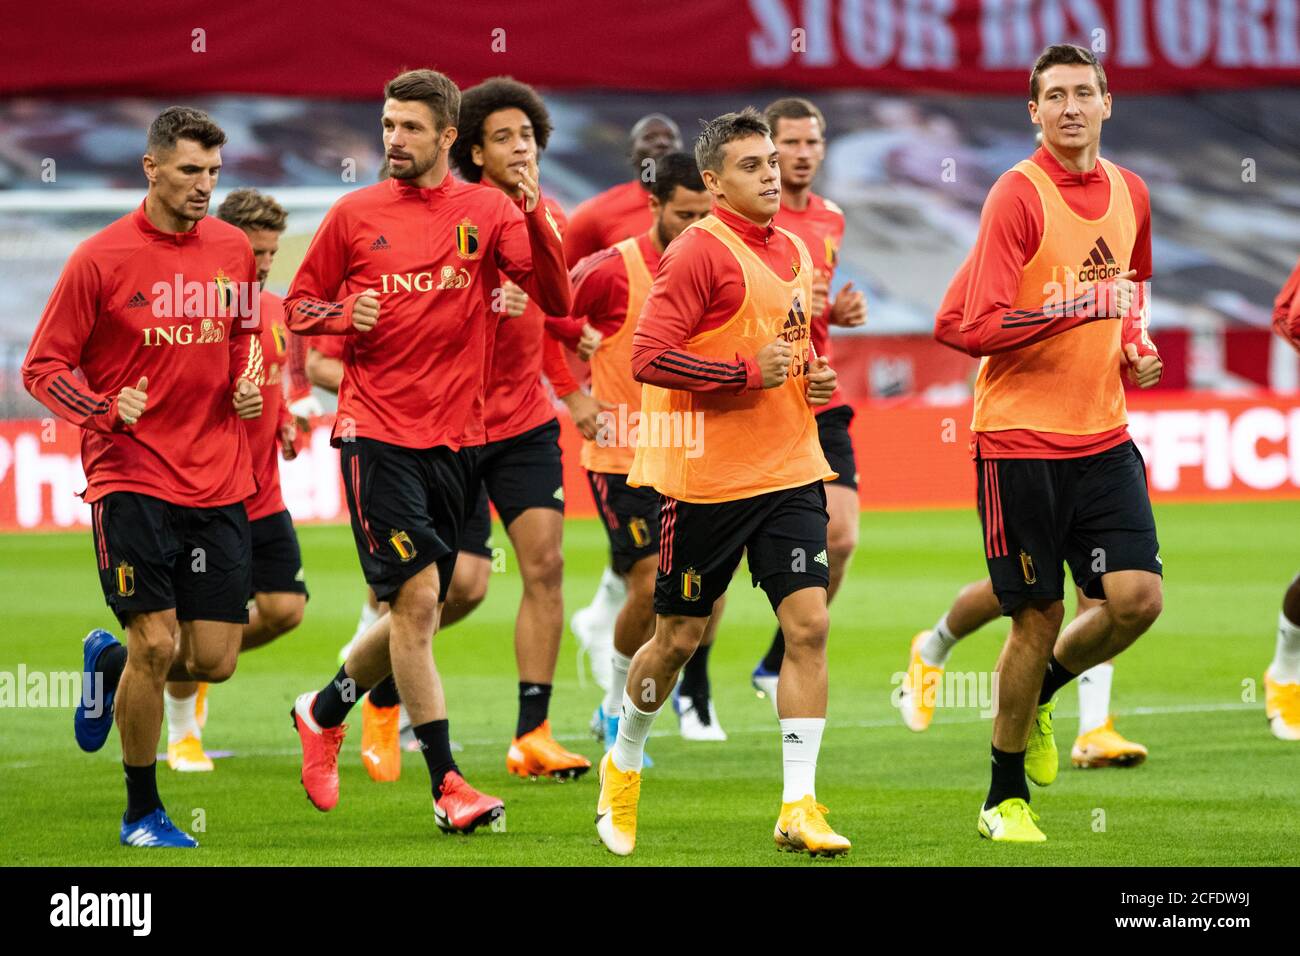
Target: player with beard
(406, 270)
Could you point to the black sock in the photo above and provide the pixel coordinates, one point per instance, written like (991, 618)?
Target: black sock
(1008, 778)
(775, 654)
(1055, 678)
(695, 679)
(384, 694)
(534, 704)
(112, 660)
(141, 792)
(336, 699)
(435, 744)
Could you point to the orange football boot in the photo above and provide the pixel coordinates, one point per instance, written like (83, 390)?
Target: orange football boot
(538, 754)
(380, 748)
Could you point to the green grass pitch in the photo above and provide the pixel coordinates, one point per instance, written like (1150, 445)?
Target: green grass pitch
(1218, 789)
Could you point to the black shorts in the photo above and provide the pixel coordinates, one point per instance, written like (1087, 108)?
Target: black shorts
(524, 472)
(1093, 513)
(277, 561)
(783, 532)
(408, 507)
(154, 556)
(837, 444)
(630, 516)
(477, 536)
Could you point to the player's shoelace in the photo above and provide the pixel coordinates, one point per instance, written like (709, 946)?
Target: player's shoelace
(1015, 814)
(816, 822)
(623, 800)
(1044, 719)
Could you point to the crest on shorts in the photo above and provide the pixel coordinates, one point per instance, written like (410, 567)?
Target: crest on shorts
(691, 585)
(1027, 568)
(401, 542)
(467, 245)
(640, 531)
(125, 578)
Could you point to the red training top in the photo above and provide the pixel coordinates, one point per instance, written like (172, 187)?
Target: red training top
(264, 431)
(179, 309)
(616, 214)
(516, 400)
(1286, 309)
(433, 257)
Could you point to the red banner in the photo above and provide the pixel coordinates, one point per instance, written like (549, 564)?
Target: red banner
(336, 49)
(1197, 446)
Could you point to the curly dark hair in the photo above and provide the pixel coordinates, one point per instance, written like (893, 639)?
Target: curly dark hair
(183, 122)
(479, 102)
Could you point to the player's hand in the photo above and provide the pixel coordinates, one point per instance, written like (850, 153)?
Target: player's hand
(248, 399)
(1143, 370)
(365, 312)
(288, 440)
(584, 409)
(821, 290)
(773, 362)
(1115, 298)
(528, 185)
(589, 342)
(514, 300)
(849, 308)
(821, 381)
(131, 402)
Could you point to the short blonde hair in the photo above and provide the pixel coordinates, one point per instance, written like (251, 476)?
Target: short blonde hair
(250, 209)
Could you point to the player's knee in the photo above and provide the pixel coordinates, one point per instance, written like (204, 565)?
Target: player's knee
(284, 616)
(468, 591)
(153, 652)
(807, 631)
(211, 668)
(1136, 612)
(840, 545)
(680, 644)
(544, 570)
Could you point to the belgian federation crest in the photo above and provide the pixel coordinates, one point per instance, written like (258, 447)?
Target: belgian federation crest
(124, 577)
(1027, 568)
(691, 585)
(402, 545)
(640, 531)
(467, 244)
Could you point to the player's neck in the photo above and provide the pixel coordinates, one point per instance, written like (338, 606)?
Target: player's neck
(1082, 160)
(432, 178)
(655, 241)
(514, 192)
(796, 198)
(761, 223)
(162, 218)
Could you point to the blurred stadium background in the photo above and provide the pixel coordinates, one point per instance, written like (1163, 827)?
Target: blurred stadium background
(925, 108)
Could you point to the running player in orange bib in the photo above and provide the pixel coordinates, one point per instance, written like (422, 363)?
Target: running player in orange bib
(727, 437)
(1053, 309)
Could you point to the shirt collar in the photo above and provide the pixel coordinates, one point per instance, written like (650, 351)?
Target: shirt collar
(403, 188)
(151, 231)
(750, 232)
(1065, 177)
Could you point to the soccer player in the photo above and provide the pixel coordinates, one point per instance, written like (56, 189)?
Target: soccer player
(405, 269)
(158, 312)
(279, 591)
(1053, 310)
(1098, 744)
(609, 289)
(618, 213)
(504, 127)
(723, 345)
(1282, 679)
(799, 133)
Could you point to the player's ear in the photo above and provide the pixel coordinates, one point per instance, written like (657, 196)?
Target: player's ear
(448, 137)
(150, 166)
(1106, 102)
(1033, 113)
(476, 155)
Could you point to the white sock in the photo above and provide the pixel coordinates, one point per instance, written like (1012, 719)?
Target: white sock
(610, 596)
(618, 685)
(368, 616)
(182, 719)
(1286, 659)
(633, 729)
(1094, 696)
(936, 648)
(801, 739)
